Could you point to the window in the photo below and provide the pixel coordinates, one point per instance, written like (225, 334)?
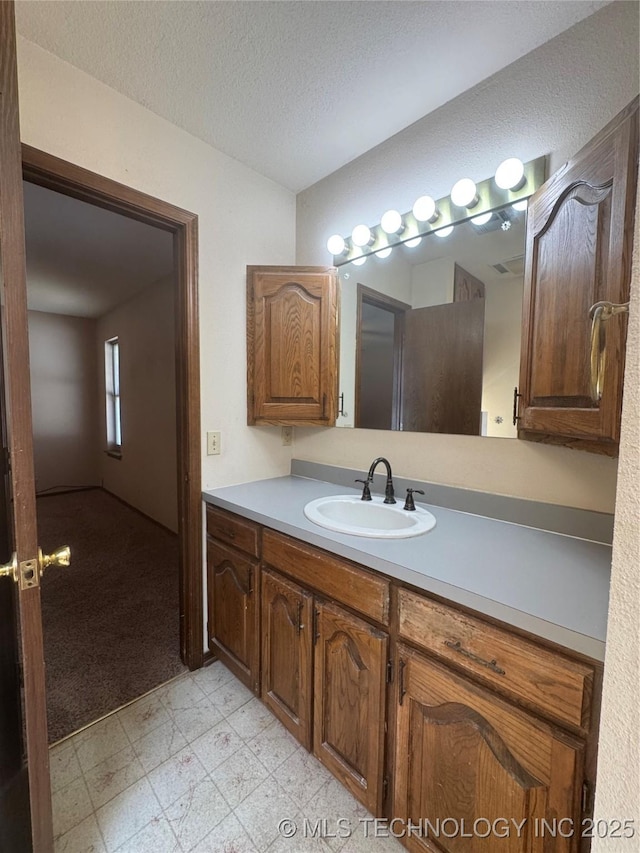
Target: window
(112, 389)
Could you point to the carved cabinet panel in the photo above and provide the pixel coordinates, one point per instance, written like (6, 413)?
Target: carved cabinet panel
(286, 653)
(469, 762)
(349, 701)
(578, 254)
(233, 613)
(292, 319)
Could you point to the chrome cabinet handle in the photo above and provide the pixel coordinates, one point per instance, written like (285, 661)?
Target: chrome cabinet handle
(599, 313)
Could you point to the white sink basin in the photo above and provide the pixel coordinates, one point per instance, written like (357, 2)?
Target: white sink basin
(374, 518)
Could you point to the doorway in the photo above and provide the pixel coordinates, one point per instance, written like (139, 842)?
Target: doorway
(100, 291)
(52, 173)
(380, 326)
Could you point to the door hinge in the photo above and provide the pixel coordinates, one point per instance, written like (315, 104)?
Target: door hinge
(6, 459)
(316, 628)
(585, 803)
(385, 788)
(389, 672)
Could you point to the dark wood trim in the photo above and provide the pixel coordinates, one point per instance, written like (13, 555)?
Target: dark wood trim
(17, 403)
(398, 309)
(44, 169)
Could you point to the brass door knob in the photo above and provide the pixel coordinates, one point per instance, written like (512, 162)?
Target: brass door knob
(60, 557)
(10, 569)
(28, 572)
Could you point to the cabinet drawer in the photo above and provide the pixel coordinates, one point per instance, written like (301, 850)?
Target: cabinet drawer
(329, 575)
(236, 531)
(543, 679)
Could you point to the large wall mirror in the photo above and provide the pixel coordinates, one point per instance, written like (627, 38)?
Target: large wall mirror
(430, 334)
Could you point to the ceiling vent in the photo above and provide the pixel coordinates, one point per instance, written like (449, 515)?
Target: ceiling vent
(507, 214)
(514, 266)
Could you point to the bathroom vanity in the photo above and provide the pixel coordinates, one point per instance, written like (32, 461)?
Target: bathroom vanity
(451, 675)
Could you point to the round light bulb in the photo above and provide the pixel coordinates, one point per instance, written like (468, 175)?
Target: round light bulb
(520, 205)
(444, 232)
(361, 235)
(510, 174)
(391, 222)
(359, 261)
(415, 241)
(425, 209)
(483, 218)
(336, 244)
(463, 193)
(384, 253)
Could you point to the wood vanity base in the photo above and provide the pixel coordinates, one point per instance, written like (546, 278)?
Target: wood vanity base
(478, 734)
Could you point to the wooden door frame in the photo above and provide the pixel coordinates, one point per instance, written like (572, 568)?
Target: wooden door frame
(51, 172)
(398, 309)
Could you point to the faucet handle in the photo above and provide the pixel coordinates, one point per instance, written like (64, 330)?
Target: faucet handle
(366, 492)
(409, 505)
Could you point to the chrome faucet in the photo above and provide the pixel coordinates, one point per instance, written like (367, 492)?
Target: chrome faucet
(388, 489)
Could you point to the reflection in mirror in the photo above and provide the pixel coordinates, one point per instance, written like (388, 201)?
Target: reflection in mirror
(430, 335)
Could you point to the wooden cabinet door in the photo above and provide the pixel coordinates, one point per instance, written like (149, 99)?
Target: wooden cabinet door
(578, 253)
(349, 702)
(287, 613)
(292, 345)
(468, 761)
(233, 613)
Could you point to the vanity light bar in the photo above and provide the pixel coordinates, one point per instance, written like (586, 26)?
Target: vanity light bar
(488, 195)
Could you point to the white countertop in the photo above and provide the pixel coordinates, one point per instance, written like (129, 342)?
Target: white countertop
(550, 584)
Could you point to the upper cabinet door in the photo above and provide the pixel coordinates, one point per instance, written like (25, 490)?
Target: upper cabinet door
(292, 323)
(579, 242)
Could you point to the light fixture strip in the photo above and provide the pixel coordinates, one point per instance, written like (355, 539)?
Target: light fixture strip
(490, 195)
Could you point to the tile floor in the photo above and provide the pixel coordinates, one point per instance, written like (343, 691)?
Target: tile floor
(199, 765)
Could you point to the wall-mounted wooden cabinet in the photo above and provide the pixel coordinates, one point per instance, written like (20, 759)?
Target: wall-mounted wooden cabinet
(578, 254)
(292, 338)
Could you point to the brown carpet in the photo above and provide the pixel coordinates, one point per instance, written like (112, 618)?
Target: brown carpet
(111, 626)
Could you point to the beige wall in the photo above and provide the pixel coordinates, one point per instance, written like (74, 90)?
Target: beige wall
(243, 218)
(550, 102)
(146, 475)
(618, 787)
(64, 398)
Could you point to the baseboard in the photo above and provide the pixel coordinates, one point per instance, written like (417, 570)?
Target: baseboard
(66, 491)
(140, 512)
(208, 657)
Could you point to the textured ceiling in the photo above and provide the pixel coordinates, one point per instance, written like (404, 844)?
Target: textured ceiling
(294, 89)
(83, 260)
